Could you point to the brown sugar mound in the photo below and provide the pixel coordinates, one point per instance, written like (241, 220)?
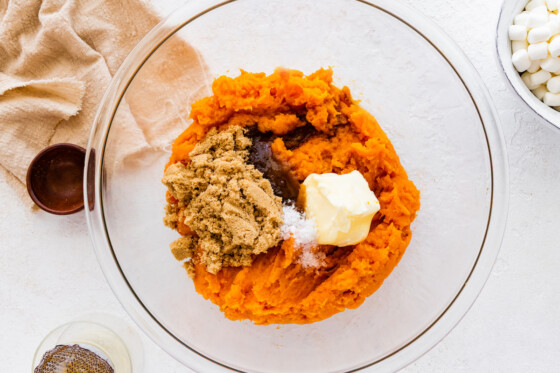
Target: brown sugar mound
(229, 208)
(277, 288)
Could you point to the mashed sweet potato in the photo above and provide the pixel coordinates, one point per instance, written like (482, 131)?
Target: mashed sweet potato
(276, 288)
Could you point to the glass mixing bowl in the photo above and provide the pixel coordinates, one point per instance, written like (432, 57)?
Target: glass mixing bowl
(424, 93)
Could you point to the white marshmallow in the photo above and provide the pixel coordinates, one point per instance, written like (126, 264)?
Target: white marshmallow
(551, 99)
(540, 91)
(518, 45)
(537, 17)
(552, 4)
(554, 46)
(521, 19)
(540, 77)
(537, 8)
(553, 25)
(526, 77)
(517, 32)
(551, 64)
(521, 60)
(534, 4)
(539, 34)
(538, 51)
(535, 66)
(553, 84)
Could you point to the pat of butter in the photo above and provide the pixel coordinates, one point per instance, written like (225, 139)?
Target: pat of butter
(342, 207)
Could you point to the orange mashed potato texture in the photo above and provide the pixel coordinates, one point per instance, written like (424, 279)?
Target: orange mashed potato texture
(276, 288)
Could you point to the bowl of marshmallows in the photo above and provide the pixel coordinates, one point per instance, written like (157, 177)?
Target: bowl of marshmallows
(528, 45)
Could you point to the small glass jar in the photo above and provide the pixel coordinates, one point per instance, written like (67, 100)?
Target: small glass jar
(99, 335)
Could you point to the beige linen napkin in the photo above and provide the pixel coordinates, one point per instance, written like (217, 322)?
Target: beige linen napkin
(56, 59)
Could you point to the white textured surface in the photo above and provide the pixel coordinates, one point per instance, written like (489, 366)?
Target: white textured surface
(50, 275)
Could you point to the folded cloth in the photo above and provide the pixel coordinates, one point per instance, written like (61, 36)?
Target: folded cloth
(56, 59)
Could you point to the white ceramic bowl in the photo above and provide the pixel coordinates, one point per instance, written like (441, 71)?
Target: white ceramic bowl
(510, 9)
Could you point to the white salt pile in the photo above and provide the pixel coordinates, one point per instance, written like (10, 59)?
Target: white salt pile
(295, 225)
(304, 233)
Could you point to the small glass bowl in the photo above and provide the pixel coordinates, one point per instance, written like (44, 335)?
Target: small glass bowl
(96, 337)
(426, 96)
(511, 8)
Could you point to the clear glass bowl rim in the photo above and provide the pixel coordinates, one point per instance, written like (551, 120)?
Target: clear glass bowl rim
(93, 179)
